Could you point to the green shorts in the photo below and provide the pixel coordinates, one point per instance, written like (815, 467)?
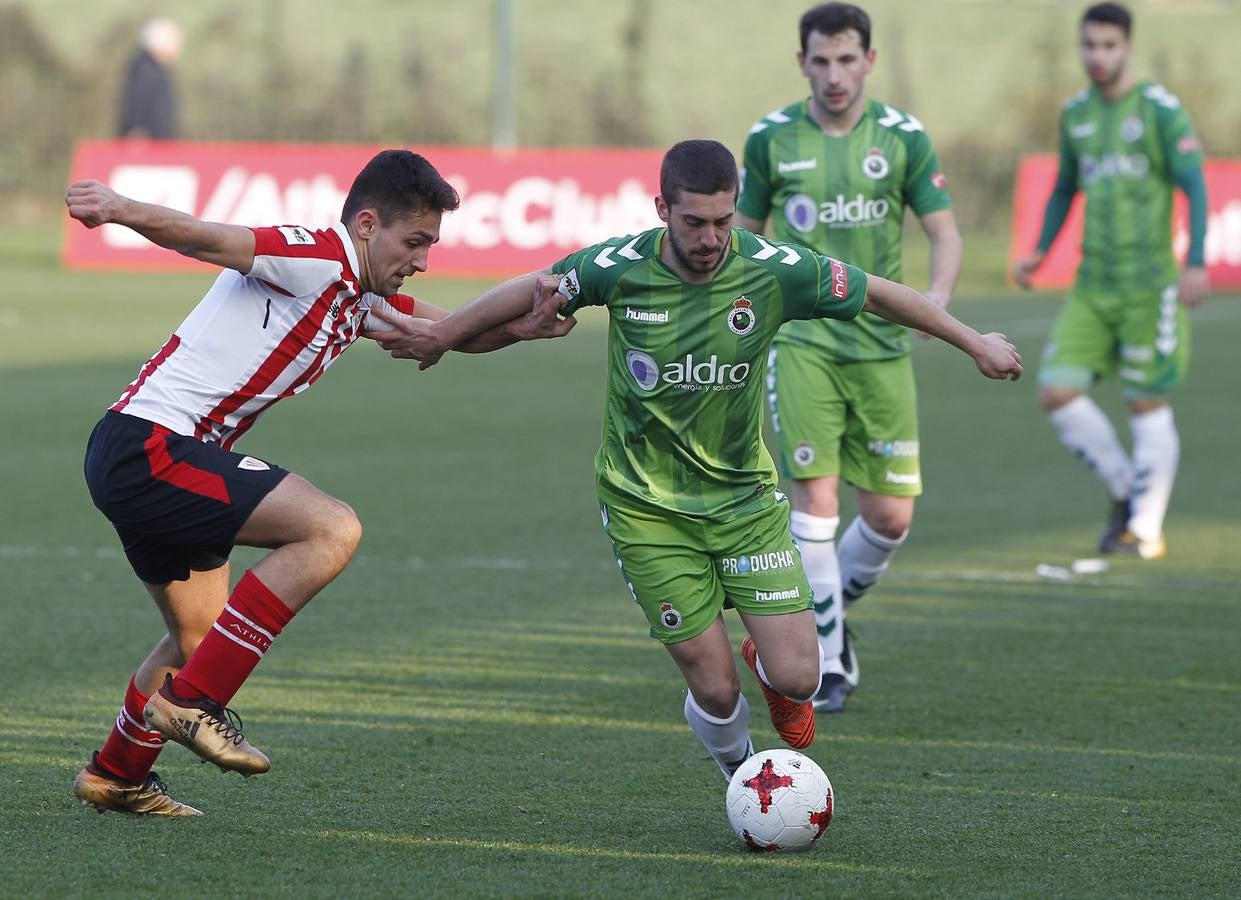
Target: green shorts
(683, 570)
(858, 420)
(1143, 338)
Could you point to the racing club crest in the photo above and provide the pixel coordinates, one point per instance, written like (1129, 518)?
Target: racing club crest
(669, 616)
(875, 164)
(741, 318)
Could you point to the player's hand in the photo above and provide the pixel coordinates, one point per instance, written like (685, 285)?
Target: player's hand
(997, 358)
(409, 338)
(939, 299)
(1024, 269)
(93, 203)
(543, 320)
(1193, 286)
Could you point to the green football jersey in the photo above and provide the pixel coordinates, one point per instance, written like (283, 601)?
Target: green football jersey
(682, 427)
(843, 196)
(1125, 156)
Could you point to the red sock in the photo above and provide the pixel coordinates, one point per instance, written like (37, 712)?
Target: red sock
(236, 642)
(130, 749)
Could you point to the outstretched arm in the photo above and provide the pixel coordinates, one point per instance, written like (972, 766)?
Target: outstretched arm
(993, 354)
(231, 246)
(521, 309)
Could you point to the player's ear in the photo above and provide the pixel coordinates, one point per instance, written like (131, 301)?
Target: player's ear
(366, 223)
(661, 209)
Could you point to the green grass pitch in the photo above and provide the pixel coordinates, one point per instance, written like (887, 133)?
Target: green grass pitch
(473, 708)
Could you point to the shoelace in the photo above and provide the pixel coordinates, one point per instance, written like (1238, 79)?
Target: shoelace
(223, 720)
(156, 783)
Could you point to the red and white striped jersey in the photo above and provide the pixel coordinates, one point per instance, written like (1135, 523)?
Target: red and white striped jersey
(256, 338)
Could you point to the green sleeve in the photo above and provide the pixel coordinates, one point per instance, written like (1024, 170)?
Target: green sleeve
(1062, 194)
(1183, 151)
(925, 188)
(581, 283)
(756, 187)
(816, 286)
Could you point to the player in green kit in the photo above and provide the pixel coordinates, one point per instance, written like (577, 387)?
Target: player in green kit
(687, 489)
(1126, 144)
(836, 172)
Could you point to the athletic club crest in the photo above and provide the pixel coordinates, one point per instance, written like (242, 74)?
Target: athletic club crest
(741, 319)
(669, 616)
(874, 164)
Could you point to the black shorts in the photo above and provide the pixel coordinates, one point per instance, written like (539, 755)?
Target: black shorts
(176, 503)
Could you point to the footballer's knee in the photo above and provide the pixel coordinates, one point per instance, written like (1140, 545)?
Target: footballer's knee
(338, 531)
(1051, 397)
(893, 523)
(718, 699)
(798, 682)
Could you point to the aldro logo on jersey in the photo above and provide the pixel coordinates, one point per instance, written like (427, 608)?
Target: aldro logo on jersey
(803, 213)
(741, 318)
(688, 374)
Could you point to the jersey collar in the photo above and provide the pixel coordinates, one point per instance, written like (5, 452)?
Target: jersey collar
(868, 109)
(351, 253)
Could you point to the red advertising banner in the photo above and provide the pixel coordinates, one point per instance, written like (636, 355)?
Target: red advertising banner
(519, 211)
(1036, 176)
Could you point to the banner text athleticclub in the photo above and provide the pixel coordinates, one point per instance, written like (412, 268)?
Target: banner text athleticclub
(519, 211)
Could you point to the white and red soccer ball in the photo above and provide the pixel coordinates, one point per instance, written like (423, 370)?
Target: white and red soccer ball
(779, 800)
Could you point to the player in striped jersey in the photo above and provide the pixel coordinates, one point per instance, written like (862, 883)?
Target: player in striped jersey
(1126, 144)
(687, 489)
(160, 466)
(836, 172)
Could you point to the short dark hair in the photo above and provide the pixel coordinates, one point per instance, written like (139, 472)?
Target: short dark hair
(1109, 14)
(700, 167)
(397, 184)
(833, 18)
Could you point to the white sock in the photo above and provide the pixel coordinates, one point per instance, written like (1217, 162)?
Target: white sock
(727, 740)
(1156, 451)
(815, 536)
(1088, 433)
(863, 554)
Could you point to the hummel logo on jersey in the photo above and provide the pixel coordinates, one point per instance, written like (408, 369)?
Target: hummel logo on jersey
(253, 465)
(295, 235)
(897, 478)
(641, 315)
(1082, 130)
(798, 165)
(763, 596)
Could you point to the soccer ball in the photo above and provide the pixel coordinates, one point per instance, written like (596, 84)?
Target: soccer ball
(779, 800)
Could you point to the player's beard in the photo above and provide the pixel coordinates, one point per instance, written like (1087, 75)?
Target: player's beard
(696, 262)
(1107, 77)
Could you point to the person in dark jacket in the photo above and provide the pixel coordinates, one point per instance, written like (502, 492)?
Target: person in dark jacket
(149, 98)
